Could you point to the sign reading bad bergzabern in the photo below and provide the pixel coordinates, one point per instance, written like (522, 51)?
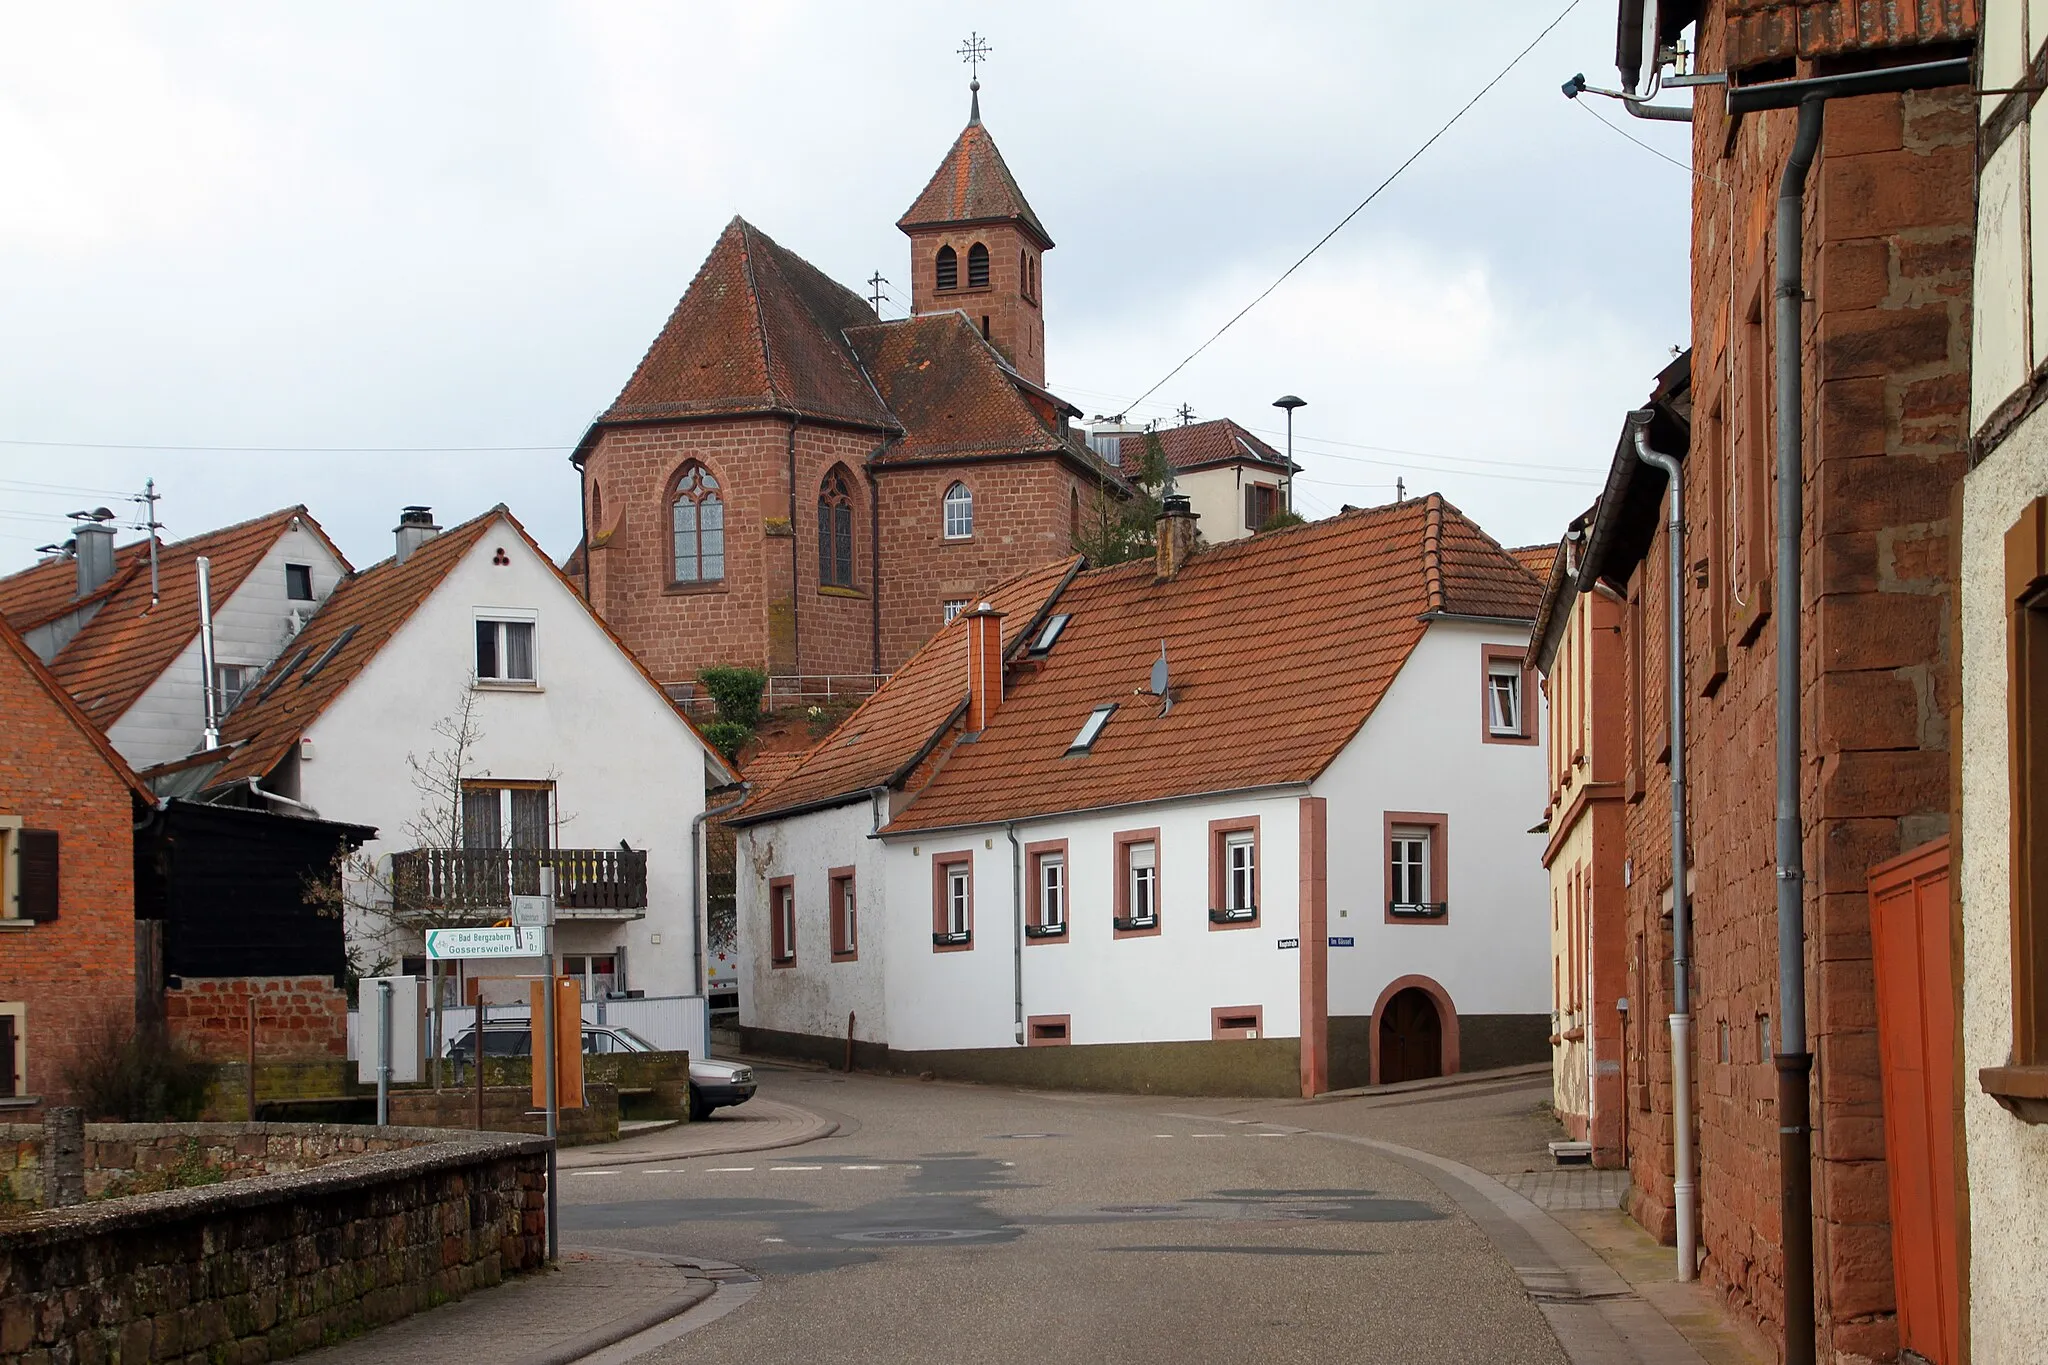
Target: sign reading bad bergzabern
(447, 944)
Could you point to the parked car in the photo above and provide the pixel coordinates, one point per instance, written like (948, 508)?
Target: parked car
(713, 1084)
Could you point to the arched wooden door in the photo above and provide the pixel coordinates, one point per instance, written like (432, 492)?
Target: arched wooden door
(1411, 1038)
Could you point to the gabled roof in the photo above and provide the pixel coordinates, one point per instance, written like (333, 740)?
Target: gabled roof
(900, 725)
(128, 643)
(1279, 648)
(759, 329)
(953, 393)
(41, 594)
(1201, 445)
(352, 626)
(973, 185)
(1535, 558)
(64, 702)
(1560, 588)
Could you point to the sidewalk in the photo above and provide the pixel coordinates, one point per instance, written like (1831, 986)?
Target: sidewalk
(756, 1126)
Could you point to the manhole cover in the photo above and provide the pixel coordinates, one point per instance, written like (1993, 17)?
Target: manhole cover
(915, 1234)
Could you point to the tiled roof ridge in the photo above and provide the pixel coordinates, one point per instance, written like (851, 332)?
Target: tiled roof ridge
(1432, 550)
(748, 232)
(67, 703)
(1267, 542)
(935, 206)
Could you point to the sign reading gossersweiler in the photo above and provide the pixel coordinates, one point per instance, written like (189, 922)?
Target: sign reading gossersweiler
(446, 944)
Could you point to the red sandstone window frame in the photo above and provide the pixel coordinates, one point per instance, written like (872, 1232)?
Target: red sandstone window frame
(946, 507)
(1035, 856)
(1635, 781)
(1708, 514)
(1049, 1030)
(1121, 843)
(1525, 729)
(1229, 1023)
(945, 270)
(2022, 1086)
(979, 267)
(1437, 890)
(945, 937)
(837, 562)
(710, 489)
(1223, 836)
(782, 922)
(1753, 460)
(843, 913)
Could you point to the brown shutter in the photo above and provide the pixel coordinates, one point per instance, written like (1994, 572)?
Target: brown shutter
(38, 874)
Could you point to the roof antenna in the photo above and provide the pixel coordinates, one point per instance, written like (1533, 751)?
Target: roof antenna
(1158, 686)
(974, 52)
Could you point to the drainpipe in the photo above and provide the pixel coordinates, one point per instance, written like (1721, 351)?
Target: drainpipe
(1683, 1185)
(211, 706)
(1017, 914)
(256, 787)
(796, 648)
(699, 920)
(1795, 1063)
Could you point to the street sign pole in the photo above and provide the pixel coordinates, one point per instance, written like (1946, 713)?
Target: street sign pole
(383, 1053)
(547, 939)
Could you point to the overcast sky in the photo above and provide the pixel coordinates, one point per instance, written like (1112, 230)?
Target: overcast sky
(394, 225)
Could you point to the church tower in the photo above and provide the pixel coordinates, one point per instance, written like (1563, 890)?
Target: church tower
(976, 246)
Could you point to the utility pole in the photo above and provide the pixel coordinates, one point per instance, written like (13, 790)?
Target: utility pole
(1185, 413)
(148, 498)
(875, 283)
(1400, 489)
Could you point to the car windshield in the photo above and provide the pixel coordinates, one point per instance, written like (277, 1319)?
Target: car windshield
(633, 1041)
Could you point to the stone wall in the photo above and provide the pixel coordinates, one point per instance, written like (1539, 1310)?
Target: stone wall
(509, 1109)
(138, 1158)
(271, 1265)
(298, 1019)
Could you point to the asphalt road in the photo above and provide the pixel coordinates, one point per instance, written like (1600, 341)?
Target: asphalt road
(957, 1223)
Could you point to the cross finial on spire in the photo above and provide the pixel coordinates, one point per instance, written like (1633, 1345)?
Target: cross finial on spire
(974, 52)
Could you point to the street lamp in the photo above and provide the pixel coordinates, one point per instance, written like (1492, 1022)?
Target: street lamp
(1290, 402)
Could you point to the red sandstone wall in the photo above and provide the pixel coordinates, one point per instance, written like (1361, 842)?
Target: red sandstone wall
(1016, 320)
(79, 969)
(298, 1019)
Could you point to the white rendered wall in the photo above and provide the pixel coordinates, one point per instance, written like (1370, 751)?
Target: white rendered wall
(1151, 988)
(168, 721)
(814, 995)
(2008, 1159)
(624, 765)
(1217, 497)
(1421, 751)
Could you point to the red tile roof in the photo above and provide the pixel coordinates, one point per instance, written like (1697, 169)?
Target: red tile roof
(1768, 30)
(34, 596)
(760, 328)
(128, 643)
(973, 185)
(355, 623)
(1279, 648)
(1535, 558)
(1199, 445)
(66, 703)
(894, 729)
(951, 391)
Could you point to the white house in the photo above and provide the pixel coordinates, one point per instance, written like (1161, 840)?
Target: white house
(1292, 857)
(460, 697)
(123, 635)
(1234, 482)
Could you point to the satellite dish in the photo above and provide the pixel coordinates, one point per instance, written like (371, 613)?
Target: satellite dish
(1158, 688)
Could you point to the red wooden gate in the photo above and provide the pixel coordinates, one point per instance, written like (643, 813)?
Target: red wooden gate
(1916, 1034)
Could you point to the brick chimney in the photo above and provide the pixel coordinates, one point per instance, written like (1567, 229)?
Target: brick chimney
(415, 528)
(1173, 536)
(94, 549)
(984, 665)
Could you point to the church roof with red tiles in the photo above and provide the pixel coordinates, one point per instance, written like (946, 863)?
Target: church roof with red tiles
(1279, 648)
(951, 391)
(1201, 445)
(973, 185)
(759, 329)
(128, 643)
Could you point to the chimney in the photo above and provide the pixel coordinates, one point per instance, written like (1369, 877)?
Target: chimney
(415, 528)
(1173, 536)
(94, 549)
(984, 665)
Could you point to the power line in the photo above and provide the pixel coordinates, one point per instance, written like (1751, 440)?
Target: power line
(1413, 157)
(1711, 180)
(285, 450)
(27, 489)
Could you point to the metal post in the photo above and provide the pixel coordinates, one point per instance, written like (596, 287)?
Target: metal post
(547, 889)
(383, 1052)
(479, 1041)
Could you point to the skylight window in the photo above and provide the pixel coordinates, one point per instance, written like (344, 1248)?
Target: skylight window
(284, 673)
(1091, 729)
(327, 655)
(1050, 634)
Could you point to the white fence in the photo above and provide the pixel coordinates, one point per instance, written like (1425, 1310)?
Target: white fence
(673, 1023)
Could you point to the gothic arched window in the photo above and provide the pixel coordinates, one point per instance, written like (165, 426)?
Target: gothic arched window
(946, 272)
(698, 517)
(977, 266)
(835, 530)
(959, 512)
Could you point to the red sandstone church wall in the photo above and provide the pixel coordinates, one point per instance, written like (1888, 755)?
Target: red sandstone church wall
(1016, 323)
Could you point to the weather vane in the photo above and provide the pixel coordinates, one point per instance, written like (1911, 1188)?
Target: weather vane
(974, 52)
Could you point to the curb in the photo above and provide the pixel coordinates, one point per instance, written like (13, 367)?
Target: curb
(1506, 1076)
(618, 1329)
(819, 1128)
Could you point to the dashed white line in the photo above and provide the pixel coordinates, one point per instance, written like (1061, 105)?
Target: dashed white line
(594, 1173)
(845, 1168)
(796, 1168)
(720, 1169)
(1217, 1135)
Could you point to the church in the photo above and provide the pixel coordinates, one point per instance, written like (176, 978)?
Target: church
(789, 483)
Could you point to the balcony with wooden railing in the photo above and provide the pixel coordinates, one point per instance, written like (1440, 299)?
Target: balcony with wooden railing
(479, 883)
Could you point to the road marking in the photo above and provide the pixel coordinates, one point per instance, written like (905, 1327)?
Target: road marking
(1269, 1135)
(771, 1239)
(660, 1170)
(593, 1173)
(716, 1169)
(1208, 1135)
(845, 1168)
(796, 1168)
(1162, 1135)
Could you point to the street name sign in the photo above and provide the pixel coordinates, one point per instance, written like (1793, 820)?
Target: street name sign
(1290, 943)
(531, 912)
(1342, 943)
(447, 944)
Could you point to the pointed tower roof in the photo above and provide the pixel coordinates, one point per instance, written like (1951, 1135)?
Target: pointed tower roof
(973, 185)
(760, 328)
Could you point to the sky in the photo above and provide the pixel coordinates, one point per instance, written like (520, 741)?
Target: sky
(369, 254)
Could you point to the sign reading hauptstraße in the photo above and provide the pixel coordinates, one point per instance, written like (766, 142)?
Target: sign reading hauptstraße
(446, 944)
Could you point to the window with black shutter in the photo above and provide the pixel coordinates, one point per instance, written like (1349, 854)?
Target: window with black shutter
(36, 875)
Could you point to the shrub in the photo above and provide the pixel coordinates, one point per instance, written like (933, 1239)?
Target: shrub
(126, 1074)
(728, 737)
(737, 693)
(1281, 520)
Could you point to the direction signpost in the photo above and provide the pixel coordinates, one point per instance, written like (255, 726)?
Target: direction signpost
(445, 945)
